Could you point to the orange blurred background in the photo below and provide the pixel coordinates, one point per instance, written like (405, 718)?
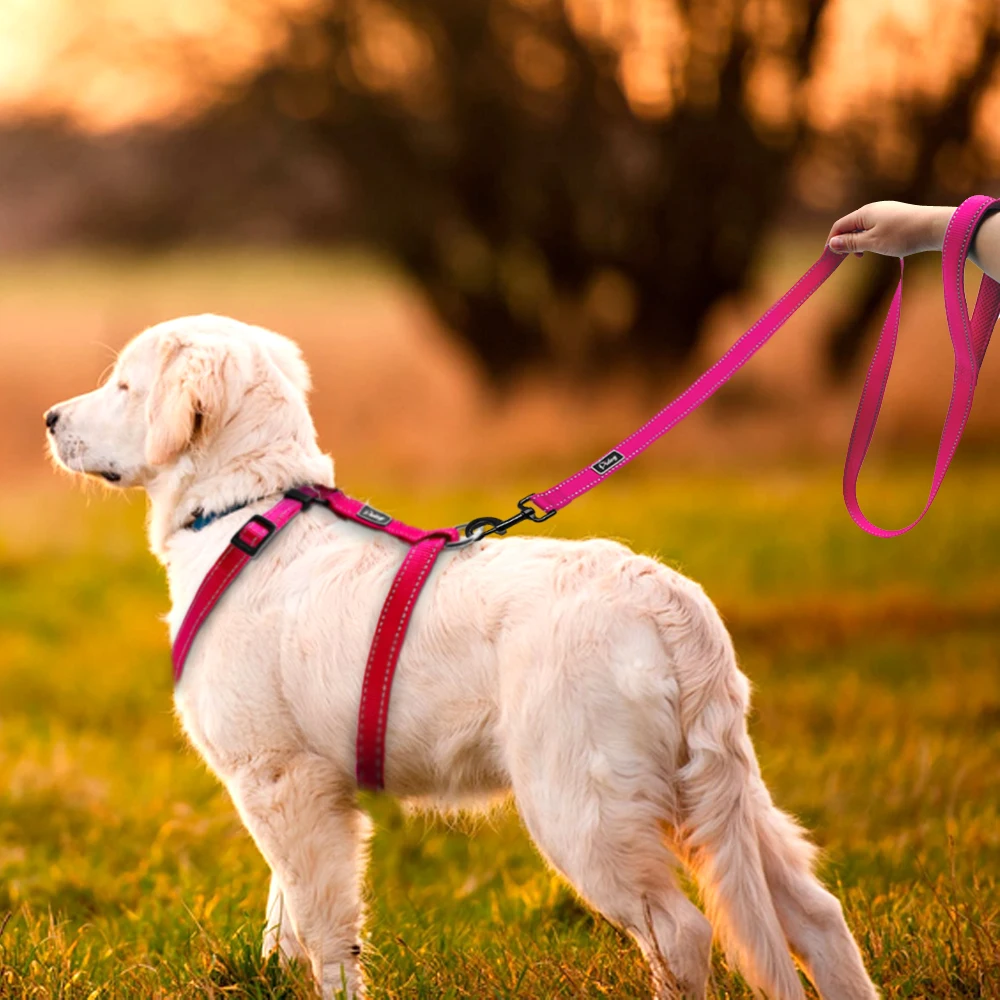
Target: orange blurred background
(396, 378)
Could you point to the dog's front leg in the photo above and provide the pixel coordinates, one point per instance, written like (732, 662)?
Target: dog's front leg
(278, 934)
(309, 829)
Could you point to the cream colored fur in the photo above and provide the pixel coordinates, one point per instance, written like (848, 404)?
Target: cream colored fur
(598, 686)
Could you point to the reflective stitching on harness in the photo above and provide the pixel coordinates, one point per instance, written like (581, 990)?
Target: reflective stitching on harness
(429, 554)
(373, 653)
(277, 514)
(238, 564)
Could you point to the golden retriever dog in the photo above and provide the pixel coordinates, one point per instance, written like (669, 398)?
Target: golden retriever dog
(597, 686)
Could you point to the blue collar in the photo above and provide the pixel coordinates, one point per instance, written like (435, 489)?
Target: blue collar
(203, 520)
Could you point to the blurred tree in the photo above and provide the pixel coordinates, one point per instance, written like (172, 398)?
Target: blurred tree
(563, 197)
(574, 182)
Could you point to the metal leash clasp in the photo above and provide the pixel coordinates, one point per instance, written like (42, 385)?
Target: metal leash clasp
(480, 527)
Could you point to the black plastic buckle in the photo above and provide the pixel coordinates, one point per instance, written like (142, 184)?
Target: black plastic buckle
(252, 549)
(306, 499)
(480, 527)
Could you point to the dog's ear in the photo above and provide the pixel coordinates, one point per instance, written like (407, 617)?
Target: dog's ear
(188, 395)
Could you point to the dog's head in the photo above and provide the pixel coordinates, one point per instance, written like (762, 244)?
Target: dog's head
(197, 388)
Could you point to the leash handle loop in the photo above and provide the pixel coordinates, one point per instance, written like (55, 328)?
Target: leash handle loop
(969, 340)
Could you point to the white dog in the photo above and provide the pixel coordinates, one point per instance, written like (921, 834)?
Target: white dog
(599, 686)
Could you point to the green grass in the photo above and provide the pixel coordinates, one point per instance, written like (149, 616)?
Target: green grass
(124, 870)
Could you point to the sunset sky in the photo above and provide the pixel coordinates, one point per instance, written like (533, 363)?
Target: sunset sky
(110, 62)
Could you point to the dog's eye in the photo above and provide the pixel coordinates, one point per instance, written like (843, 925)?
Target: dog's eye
(123, 386)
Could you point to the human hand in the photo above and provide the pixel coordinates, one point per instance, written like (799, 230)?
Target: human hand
(893, 228)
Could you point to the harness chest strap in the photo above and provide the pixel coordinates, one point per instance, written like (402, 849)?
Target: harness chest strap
(256, 533)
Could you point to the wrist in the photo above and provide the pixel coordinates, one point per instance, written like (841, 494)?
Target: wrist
(935, 226)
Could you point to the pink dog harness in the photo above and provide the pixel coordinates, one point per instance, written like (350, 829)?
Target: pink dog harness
(969, 338)
(247, 544)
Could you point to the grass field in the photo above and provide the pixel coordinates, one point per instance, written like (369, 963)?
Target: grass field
(124, 871)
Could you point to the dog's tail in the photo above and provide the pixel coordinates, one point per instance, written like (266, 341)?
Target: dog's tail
(725, 809)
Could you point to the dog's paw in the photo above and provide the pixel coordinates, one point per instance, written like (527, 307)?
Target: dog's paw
(285, 943)
(342, 982)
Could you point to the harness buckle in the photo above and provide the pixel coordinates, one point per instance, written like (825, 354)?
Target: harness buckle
(300, 495)
(253, 547)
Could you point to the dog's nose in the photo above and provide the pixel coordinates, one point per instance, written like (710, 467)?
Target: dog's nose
(51, 419)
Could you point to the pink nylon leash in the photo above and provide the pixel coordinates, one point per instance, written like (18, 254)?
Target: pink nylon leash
(558, 496)
(969, 344)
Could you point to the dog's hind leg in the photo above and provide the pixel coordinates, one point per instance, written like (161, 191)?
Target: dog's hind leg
(588, 771)
(811, 917)
(303, 818)
(617, 860)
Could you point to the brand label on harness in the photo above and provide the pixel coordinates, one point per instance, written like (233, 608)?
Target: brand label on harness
(373, 516)
(607, 463)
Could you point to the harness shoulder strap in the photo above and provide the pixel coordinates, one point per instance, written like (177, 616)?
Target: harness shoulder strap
(244, 546)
